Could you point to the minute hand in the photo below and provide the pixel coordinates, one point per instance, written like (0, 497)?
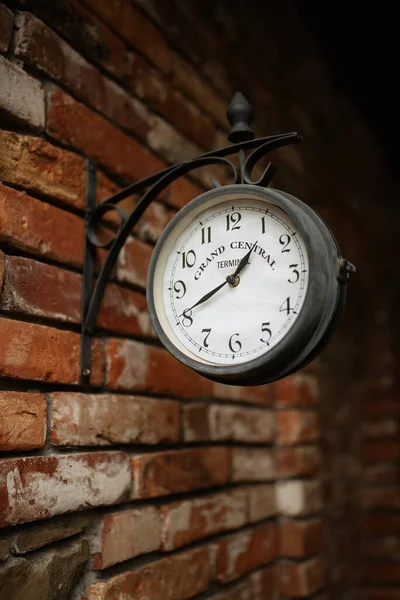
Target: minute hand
(207, 296)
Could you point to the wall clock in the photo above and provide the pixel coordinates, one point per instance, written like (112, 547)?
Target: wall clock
(246, 284)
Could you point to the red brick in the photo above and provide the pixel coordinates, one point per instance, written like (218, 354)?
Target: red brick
(21, 97)
(241, 424)
(300, 538)
(124, 535)
(259, 394)
(380, 427)
(131, 366)
(382, 524)
(386, 547)
(239, 553)
(6, 27)
(151, 226)
(240, 591)
(298, 498)
(302, 579)
(189, 520)
(265, 584)
(381, 594)
(380, 474)
(38, 166)
(381, 451)
(188, 79)
(262, 502)
(39, 45)
(182, 191)
(133, 262)
(45, 354)
(381, 498)
(77, 481)
(296, 390)
(196, 426)
(37, 227)
(296, 426)
(252, 464)
(302, 460)
(380, 572)
(135, 29)
(156, 90)
(381, 406)
(174, 471)
(176, 577)
(93, 38)
(103, 419)
(76, 125)
(59, 297)
(22, 421)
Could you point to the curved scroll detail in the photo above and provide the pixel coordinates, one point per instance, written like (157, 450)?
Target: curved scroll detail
(256, 155)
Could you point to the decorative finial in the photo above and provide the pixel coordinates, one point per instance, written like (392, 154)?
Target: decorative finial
(240, 115)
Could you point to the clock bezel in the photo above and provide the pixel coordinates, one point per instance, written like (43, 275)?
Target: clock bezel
(320, 303)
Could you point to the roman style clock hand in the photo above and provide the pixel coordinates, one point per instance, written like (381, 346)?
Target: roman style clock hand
(231, 278)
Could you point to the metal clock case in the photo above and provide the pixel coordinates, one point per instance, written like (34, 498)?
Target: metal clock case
(320, 297)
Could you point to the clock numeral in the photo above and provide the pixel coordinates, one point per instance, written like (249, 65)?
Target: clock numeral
(187, 320)
(295, 273)
(188, 259)
(285, 306)
(206, 235)
(208, 331)
(284, 240)
(265, 329)
(238, 345)
(180, 288)
(263, 225)
(232, 221)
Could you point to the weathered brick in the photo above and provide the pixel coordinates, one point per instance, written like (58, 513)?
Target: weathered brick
(156, 90)
(49, 574)
(380, 427)
(160, 580)
(188, 520)
(131, 366)
(301, 460)
(382, 572)
(6, 27)
(195, 421)
(252, 464)
(76, 125)
(38, 44)
(45, 354)
(181, 191)
(21, 97)
(301, 538)
(384, 524)
(298, 498)
(77, 481)
(38, 166)
(239, 591)
(265, 584)
(59, 297)
(133, 262)
(302, 579)
(42, 534)
(382, 593)
(103, 419)
(175, 471)
(135, 29)
(259, 394)
(373, 498)
(239, 553)
(37, 227)
(296, 426)
(296, 390)
(381, 451)
(262, 502)
(124, 535)
(22, 421)
(241, 424)
(386, 547)
(92, 37)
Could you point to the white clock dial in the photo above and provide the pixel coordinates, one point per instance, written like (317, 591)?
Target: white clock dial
(224, 322)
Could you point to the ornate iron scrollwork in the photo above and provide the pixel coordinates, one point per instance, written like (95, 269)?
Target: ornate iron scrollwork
(239, 115)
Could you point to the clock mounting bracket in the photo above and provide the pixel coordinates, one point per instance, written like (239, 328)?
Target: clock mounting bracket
(243, 144)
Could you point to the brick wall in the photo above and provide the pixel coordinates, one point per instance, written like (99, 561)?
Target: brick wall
(156, 483)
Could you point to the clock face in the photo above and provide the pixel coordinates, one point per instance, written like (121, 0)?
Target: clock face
(230, 280)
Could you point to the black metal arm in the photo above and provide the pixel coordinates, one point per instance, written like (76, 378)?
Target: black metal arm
(239, 115)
